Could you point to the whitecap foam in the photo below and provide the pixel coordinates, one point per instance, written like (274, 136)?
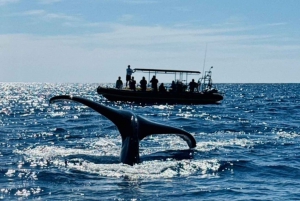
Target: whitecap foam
(149, 169)
(288, 135)
(167, 168)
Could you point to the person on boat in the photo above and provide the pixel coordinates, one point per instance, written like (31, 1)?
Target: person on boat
(143, 83)
(129, 72)
(119, 83)
(193, 85)
(209, 85)
(162, 88)
(132, 83)
(173, 86)
(179, 86)
(154, 83)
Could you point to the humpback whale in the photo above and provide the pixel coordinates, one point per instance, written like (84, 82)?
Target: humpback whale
(133, 128)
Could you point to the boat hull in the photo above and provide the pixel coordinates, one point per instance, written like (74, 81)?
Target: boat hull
(151, 97)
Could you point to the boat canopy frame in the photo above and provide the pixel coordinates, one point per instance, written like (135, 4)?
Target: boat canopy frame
(167, 71)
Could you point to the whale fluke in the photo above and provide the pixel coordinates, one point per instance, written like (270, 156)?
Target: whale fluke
(133, 128)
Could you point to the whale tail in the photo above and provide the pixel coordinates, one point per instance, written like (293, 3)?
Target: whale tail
(132, 128)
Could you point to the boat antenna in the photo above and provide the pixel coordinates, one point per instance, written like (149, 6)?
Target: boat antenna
(202, 78)
(204, 58)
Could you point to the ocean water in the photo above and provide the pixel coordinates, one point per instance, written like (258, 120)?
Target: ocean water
(247, 147)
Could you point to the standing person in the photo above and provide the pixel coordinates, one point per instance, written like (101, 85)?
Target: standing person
(132, 83)
(154, 82)
(119, 83)
(129, 72)
(179, 86)
(173, 86)
(193, 85)
(143, 83)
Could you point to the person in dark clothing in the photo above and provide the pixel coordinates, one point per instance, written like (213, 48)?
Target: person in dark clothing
(154, 83)
(132, 83)
(173, 86)
(143, 83)
(162, 88)
(179, 86)
(193, 85)
(119, 83)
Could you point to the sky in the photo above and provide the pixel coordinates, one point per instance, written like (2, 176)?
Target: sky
(93, 41)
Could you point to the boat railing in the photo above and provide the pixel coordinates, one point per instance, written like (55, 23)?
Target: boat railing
(205, 82)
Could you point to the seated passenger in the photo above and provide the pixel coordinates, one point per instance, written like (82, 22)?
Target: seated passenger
(162, 88)
(119, 83)
(143, 83)
(132, 83)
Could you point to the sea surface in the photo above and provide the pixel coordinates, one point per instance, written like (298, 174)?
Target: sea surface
(247, 147)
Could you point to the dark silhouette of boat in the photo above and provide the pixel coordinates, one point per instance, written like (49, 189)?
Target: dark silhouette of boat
(205, 93)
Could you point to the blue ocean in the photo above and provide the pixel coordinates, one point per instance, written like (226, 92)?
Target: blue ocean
(247, 147)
